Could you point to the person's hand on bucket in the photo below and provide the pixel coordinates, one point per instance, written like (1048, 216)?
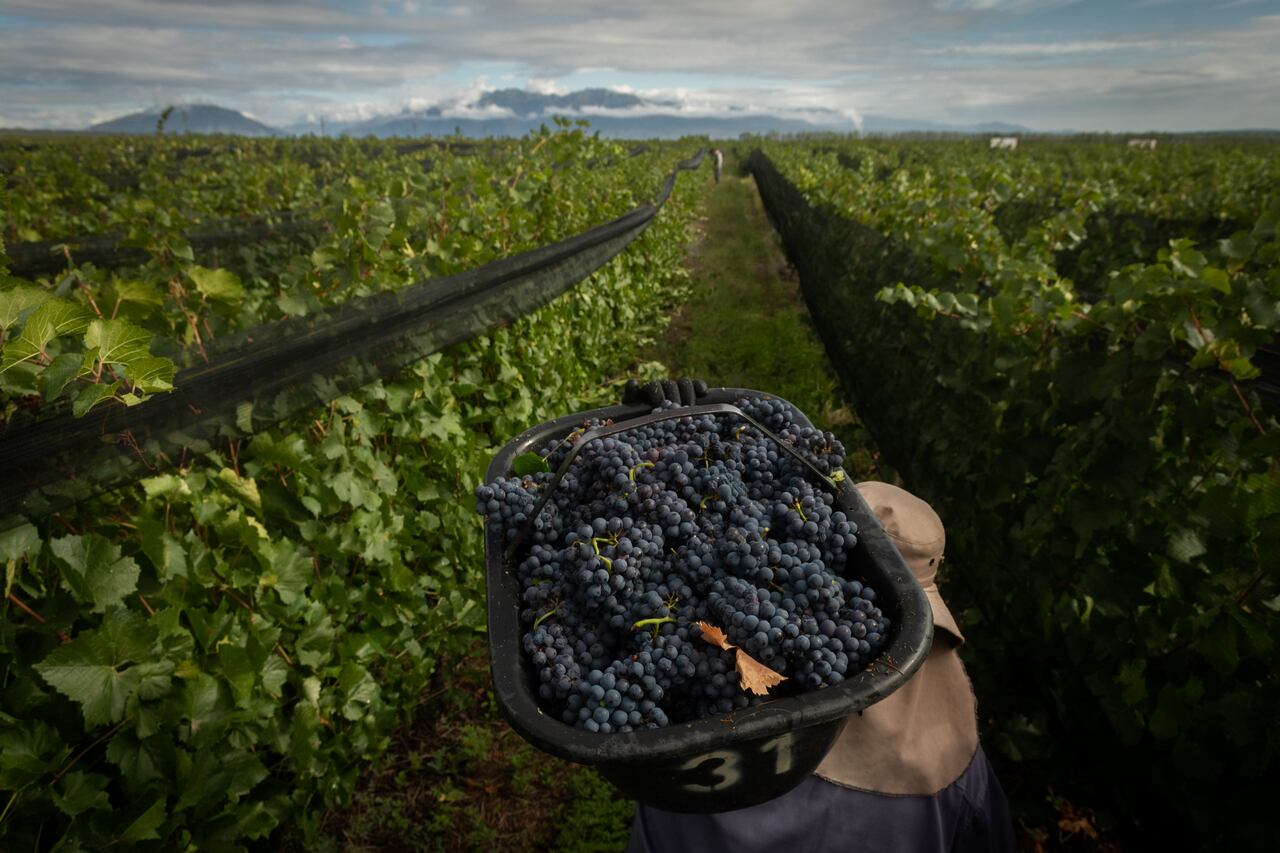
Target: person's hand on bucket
(684, 391)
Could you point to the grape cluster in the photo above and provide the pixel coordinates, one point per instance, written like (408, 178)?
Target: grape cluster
(694, 519)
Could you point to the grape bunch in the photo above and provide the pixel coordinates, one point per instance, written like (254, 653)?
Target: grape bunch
(698, 519)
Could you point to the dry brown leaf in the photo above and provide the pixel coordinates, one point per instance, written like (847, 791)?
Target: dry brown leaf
(714, 636)
(1077, 826)
(756, 677)
(1076, 821)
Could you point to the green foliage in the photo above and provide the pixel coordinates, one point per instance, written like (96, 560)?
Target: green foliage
(110, 354)
(529, 463)
(214, 653)
(94, 571)
(1107, 474)
(459, 778)
(88, 671)
(596, 820)
(376, 219)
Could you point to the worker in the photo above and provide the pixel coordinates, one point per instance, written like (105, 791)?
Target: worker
(905, 774)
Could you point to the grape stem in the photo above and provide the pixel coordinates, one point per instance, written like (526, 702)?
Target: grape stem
(653, 623)
(34, 615)
(608, 540)
(634, 468)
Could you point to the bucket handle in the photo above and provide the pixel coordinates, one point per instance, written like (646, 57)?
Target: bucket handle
(832, 482)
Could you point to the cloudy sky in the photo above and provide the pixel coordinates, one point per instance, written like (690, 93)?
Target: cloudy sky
(1047, 64)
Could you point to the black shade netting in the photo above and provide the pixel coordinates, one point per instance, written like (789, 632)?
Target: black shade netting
(274, 371)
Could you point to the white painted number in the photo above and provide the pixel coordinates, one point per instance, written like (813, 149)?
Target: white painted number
(724, 776)
(785, 755)
(728, 772)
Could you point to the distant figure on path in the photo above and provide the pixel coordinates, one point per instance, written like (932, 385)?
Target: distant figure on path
(715, 152)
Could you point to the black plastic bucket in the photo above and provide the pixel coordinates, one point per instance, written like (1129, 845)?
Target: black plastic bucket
(712, 764)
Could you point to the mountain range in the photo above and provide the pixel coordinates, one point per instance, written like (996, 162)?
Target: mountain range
(514, 112)
(196, 118)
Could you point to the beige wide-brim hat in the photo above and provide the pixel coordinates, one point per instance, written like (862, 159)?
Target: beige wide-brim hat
(923, 736)
(917, 532)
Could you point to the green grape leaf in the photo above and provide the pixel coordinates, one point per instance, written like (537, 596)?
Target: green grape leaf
(360, 688)
(1264, 496)
(92, 395)
(16, 300)
(1185, 545)
(166, 486)
(141, 760)
(145, 826)
(217, 285)
(1184, 258)
(117, 341)
(1253, 631)
(244, 416)
(88, 670)
(1169, 715)
(59, 373)
(19, 542)
(155, 678)
(138, 292)
(53, 318)
(245, 770)
(182, 249)
(243, 489)
(1263, 309)
(1217, 279)
(163, 549)
(28, 752)
(346, 485)
(529, 463)
(238, 670)
(81, 792)
(206, 708)
(150, 373)
(202, 780)
(1219, 648)
(57, 317)
(1132, 682)
(1241, 368)
(94, 570)
(16, 543)
(286, 570)
(315, 645)
(274, 673)
(293, 305)
(1239, 246)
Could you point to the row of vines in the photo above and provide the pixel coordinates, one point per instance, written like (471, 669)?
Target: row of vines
(208, 658)
(1062, 348)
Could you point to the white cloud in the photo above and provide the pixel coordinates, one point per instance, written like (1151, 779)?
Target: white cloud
(545, 86)
(998, 5)
(1043, 49)
(77, 61)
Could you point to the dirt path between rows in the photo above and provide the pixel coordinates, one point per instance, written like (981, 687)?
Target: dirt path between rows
(745, 323)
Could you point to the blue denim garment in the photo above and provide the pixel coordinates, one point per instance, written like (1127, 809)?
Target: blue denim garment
(970, 814)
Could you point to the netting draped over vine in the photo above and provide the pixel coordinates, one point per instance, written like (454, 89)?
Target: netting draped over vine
(271, 372)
